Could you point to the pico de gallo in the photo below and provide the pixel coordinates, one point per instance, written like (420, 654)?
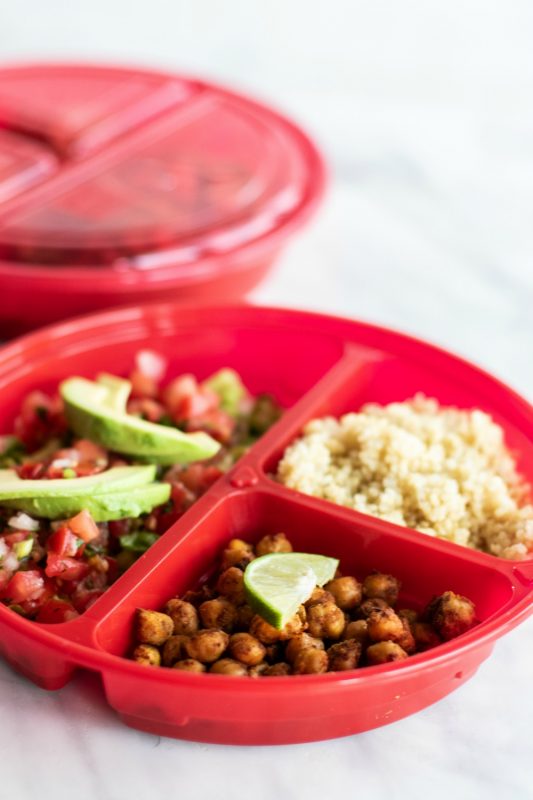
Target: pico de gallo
(52, 570)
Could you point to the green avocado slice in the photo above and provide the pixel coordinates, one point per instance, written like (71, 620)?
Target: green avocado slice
(96, 410)
(116, 479)
(102, 507)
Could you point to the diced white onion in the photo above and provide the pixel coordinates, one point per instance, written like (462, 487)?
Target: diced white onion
(151, 364)
(10, 562)
(22, 522)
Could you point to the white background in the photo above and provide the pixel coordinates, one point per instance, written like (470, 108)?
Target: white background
(424, 111)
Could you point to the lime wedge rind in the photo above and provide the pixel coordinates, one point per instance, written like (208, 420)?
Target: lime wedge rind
(278, 583)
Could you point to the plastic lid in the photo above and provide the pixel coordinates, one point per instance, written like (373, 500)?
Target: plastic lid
(153, 170)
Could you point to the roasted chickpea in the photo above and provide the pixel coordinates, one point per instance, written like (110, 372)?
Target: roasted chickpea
(310, 661)
(231, 584)
(368, 606)
(409, 614)
(344, 655)
(227, 666)
(218, 613)
(245, 614)
(325, 621)
(173, 650)
(301, 642)
(319, 595)
(425, 636)
(184, 616)
(385, 625)
(347, 592)
(246, 648)
(383, 586)
(451, 615)
(278, 543)
(198, 596)
(258, 670)
(268, 634)
(147, 654)
(206, 646)
(383, 652)
(406, 640)
(281, 668)
(237, 554)
(153, 627)
(357, 630)
(189, 665)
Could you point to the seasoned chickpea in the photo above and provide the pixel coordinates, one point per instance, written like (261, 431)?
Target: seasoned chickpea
(409, 614)
(281, 668)
(383, 652)
(425, 636)
(206, 646)
(218, 613)
(184, 616)
(189, 665)
(325, 621)
(406, 640)
(310, 661)
(357, 630)
(301, 642)
(268, 634)
(237, 554)
(246, 648)
(173, 650)
(385, 625)
(451, 615)
(347, 592)
(278, 543)
(147, 654)
(198, 596)
(152, 627)
(319, 595)
(227, 666)
(245, 614)
(258, 670)
(383, 586)
(231, 584)
(344, 655)
(368, 606)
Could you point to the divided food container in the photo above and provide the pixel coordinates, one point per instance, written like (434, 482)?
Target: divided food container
(120, 186)
(314, 365)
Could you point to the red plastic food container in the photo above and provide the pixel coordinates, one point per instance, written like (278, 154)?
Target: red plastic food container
(120, 186)
(314, 365)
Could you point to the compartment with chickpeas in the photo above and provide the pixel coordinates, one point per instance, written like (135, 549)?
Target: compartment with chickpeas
(345, 624)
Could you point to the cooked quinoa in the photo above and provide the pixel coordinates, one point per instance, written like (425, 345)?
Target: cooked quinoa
(441, 470)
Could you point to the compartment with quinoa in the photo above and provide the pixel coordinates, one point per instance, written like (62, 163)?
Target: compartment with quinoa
(443, 467)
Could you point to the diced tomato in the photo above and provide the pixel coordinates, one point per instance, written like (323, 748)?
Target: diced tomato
(41, 417)
(5, 577)
(196, 406)
(179, 389)
(198, 477)
(147, 408)
(84, 526)
(15, 537)
(69, 569)
(143, 385)
(56, 610)
(29, 471)
(63, 542)
(25, 586)
(216, 423)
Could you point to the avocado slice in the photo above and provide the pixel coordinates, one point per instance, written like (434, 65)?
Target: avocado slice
(116, 479)
(96, 410)
(102, 507)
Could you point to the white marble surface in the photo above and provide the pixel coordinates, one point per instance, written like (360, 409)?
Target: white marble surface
(424, 112)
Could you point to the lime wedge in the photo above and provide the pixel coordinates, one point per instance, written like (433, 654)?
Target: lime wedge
(277, 584)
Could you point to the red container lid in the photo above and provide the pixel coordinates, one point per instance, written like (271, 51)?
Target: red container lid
(130, 170)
